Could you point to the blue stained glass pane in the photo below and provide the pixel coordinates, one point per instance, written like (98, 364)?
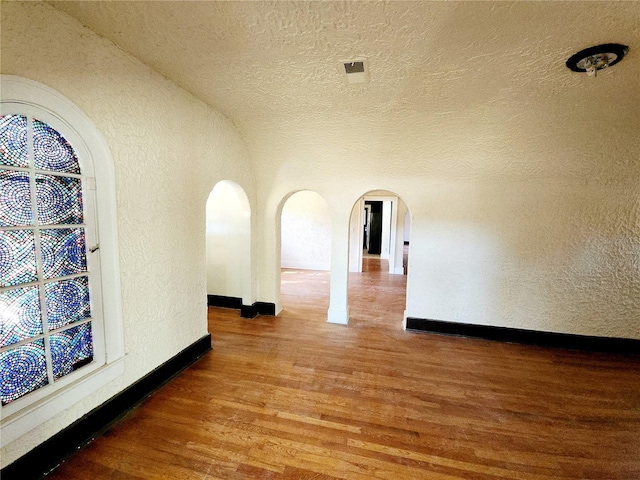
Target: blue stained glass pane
(13, 140)
(52, 151)
(19, 315)
(67, 301)
(15, 199)
(22, 370)
(63, 251)
(71, 349)
(59, 200)
(17, 257)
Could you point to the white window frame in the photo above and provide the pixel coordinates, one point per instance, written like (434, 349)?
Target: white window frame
(26, 97)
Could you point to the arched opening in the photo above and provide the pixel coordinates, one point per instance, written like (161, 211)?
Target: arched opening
(305, 252)
(378, 259)
(43, 134)
(228, 245)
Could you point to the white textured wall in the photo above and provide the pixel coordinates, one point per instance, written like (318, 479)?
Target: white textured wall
(306, 232)
(169, 150)
(228, 241)
(524, 215)
(554, 256)
(356, 224)
(401, 231)
(386, 229)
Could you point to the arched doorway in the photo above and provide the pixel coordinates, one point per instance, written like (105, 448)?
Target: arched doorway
(378, 259)
(228, 244)
(305, 253)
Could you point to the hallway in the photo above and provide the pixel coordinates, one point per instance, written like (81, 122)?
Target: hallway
(376, 299)
(293, 397)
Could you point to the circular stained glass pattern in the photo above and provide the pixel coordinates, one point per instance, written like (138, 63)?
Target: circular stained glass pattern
(52, 151)
(15, 199)
(71, 349)
(63, 251)
(13, 140)
(57, 206)
(67, 301)
(22, 370)
(17, 257)
(59, 200)
(19, 315)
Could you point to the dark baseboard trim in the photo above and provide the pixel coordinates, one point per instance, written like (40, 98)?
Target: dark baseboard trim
(224, 302)
(266, 308)
(258, 308)
(49, 454)
(530, 337)
(246, 311)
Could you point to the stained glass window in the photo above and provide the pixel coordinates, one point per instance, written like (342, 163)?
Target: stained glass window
(45, 304)
(13, 140)
(63, 252)
(59, 200)
(19, 315)
(52, 151)
(15, 199)
(17, 257)
(67, 301)
(71, 349)
(22, 370)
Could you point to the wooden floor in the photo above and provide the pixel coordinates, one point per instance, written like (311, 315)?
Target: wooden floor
(293, 397)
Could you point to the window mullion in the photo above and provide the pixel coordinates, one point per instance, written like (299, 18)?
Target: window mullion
(38, 283)
(38, 246)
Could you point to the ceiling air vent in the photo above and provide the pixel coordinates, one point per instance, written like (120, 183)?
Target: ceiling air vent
(355, 71)
(354, 67)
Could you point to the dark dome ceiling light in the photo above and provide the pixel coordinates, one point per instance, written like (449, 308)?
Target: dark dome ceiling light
(596, 58)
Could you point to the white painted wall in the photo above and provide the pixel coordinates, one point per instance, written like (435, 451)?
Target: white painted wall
(356, 225)
(555, 257)
(169, 150)
(306, 232)
(505, 230)
(228, 242)
(401, 231)
(386, 229)
(407, 226)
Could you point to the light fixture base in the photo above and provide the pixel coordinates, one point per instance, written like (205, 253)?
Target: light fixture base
(592, 59)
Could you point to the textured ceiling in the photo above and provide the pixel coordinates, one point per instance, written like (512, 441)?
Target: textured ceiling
(435, 67)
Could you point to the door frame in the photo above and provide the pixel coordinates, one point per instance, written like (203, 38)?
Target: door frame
(392, 230)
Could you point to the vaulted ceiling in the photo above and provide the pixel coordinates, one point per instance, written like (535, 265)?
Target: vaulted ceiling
(456, 75)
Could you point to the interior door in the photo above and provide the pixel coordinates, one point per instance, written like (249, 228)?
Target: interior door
(375, 228)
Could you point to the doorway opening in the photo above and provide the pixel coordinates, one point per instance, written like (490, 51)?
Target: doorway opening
(305, 254)
(373, 227)
(378, 259)
(228, 245)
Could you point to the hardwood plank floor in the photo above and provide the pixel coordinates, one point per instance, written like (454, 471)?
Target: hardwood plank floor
(293, 397)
